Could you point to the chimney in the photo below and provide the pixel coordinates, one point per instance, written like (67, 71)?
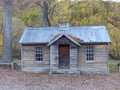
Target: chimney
(63, 24)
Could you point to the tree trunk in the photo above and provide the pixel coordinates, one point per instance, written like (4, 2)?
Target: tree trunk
(44, 8)
(7, 31)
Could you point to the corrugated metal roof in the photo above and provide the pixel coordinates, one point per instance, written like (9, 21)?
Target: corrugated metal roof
(89, 34)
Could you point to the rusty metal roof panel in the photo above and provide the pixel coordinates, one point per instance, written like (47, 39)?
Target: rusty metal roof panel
(89, 34)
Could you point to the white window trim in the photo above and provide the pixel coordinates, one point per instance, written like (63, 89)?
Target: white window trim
(86, 55)
(89, 61)
(39, 62)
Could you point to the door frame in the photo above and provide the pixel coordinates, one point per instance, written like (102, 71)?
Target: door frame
(68, 67)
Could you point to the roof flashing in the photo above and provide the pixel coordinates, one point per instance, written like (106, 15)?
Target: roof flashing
(61, 35)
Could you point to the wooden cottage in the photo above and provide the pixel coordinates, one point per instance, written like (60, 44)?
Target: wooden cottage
(65, 49)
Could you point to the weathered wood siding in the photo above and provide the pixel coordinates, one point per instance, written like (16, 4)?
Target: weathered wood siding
(28, 59)
(78, 61)
(100, 63)
(54, 56)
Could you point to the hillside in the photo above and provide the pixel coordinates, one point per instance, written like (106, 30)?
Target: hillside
(27, 13)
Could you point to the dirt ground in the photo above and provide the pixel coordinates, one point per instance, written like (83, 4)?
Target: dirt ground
(17, 80)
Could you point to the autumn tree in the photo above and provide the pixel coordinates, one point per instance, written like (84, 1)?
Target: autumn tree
(34, 13)
(7, 31)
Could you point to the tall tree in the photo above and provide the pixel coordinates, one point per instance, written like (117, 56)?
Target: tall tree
(7, 31)
(44, 8)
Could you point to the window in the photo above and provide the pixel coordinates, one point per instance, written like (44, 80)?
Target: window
(89, 53)
(39, 53)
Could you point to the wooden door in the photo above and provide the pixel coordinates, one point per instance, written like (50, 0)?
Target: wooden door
(64, 56)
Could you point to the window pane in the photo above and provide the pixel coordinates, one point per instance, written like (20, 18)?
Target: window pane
(39, 53)
(89, 53)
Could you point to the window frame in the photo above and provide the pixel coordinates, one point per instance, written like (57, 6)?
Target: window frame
(89, 51)
(39, 52)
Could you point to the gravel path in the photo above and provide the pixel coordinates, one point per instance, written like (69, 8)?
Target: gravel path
(17, 80)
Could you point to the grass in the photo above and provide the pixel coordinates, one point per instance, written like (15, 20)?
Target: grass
(1, 45)
(0, 51)
(1, 42)
(113, 67)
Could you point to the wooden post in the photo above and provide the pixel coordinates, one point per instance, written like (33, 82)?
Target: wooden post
(21, 57)
(107, 58)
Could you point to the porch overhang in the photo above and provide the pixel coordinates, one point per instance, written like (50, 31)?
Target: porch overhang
(61, 35)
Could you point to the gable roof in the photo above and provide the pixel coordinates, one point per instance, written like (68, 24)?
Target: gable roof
(88, 34)
(61, 35)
